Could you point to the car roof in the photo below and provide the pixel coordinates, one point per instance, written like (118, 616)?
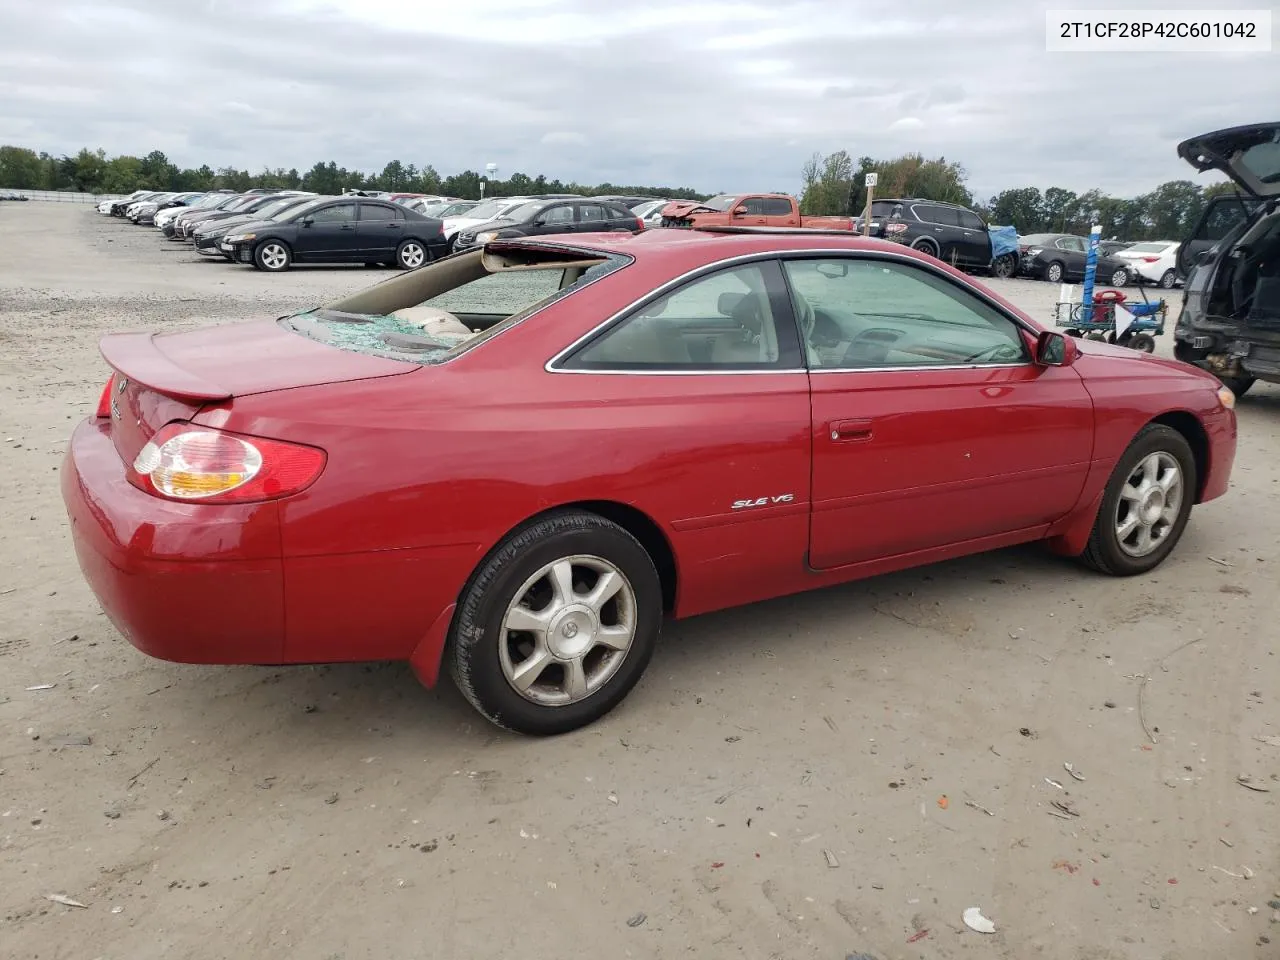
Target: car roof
(706, 246)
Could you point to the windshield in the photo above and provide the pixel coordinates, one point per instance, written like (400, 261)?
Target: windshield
(273, 210)
(722, 202)
(456, 209)
(433, 314)
(1155, 246)
(526, 211)
(431, 209)
(489, 210)
(1038, 239)
(307, 204)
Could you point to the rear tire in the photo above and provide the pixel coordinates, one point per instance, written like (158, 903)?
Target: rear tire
(1054, 272)
(1156, 470)
(925, 245)
(1168, 279)
(544, 576)
(272, 256)
(1120, 277)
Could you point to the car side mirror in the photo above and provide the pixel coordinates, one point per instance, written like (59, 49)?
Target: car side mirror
(740, 211)
(1054, 349)
(308, 221)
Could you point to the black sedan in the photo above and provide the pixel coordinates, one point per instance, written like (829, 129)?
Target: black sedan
(339, 230)
(541, 217)
(1061, 257)
(209, 234)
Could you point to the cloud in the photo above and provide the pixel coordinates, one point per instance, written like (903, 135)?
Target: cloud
(718, 95)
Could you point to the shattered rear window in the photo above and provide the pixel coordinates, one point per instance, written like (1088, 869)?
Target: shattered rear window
(440, 327)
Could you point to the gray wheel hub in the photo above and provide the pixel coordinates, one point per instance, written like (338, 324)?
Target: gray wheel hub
(1149, 503)
(568, 630)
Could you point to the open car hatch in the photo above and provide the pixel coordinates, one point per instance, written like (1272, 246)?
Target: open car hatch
(1249, 155)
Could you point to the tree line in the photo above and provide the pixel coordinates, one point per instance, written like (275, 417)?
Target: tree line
(92, 171)
(834, 185)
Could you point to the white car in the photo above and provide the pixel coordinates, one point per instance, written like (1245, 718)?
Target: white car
(489, 210)
(1153, 261)
(651, 213)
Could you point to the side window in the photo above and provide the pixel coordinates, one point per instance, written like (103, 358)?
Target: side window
(776, 207)
(755, 206)
(376, 211)
(722, 321)
(970, 220)
(925, 213)
(1224, 217)
(592, 213)
(858, 314)
(948, 216)
(338, 213)
(615, 213)
(558, 214)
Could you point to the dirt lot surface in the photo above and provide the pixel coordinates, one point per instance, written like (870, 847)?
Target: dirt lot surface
(842, 772)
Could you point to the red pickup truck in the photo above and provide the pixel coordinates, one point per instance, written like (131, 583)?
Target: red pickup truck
(747, 210)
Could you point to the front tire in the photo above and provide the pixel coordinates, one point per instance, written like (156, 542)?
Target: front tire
(557, 625)
(410, 255)
(1145, 505)
(272, 256)
(1005, 267)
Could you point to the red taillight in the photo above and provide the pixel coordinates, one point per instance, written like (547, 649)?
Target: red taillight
(104, 401)
(639, 224)
(1150, 259)
(197, 464)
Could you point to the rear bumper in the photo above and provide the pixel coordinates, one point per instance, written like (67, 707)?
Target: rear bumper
(182, 582)
(205, 583)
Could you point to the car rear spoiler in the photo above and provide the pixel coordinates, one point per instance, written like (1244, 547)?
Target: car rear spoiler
(136, 356)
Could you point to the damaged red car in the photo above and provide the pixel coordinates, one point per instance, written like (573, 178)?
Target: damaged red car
(516, 462)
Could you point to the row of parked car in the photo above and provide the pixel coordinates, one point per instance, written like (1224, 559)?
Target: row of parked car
(959, 236)
(274, 229)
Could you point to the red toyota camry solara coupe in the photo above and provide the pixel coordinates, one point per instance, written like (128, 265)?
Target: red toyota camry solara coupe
(519, 459)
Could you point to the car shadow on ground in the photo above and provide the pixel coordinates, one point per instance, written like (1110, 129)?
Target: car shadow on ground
(318, 707)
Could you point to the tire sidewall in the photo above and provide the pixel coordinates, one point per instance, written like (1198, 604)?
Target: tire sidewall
(1123, 274)
(257, 256)
(1168, 279)
(1153, 439)
(1048, 272)
(927, 247)
(400, 254)
(477, 628)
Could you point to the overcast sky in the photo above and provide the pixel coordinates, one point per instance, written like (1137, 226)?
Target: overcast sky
(716, 95)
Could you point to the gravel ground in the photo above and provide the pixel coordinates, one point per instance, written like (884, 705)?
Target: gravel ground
(836, 773)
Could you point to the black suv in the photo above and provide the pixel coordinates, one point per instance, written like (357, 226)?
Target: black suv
(947, 231)
(1230, 319)
(539, 217)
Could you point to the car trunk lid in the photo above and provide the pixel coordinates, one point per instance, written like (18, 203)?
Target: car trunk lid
(160, 378)
(1249, 155)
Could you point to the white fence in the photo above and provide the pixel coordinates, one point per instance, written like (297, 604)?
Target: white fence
(61, 196)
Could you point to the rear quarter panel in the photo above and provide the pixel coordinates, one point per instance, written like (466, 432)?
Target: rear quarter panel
(428, 471)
